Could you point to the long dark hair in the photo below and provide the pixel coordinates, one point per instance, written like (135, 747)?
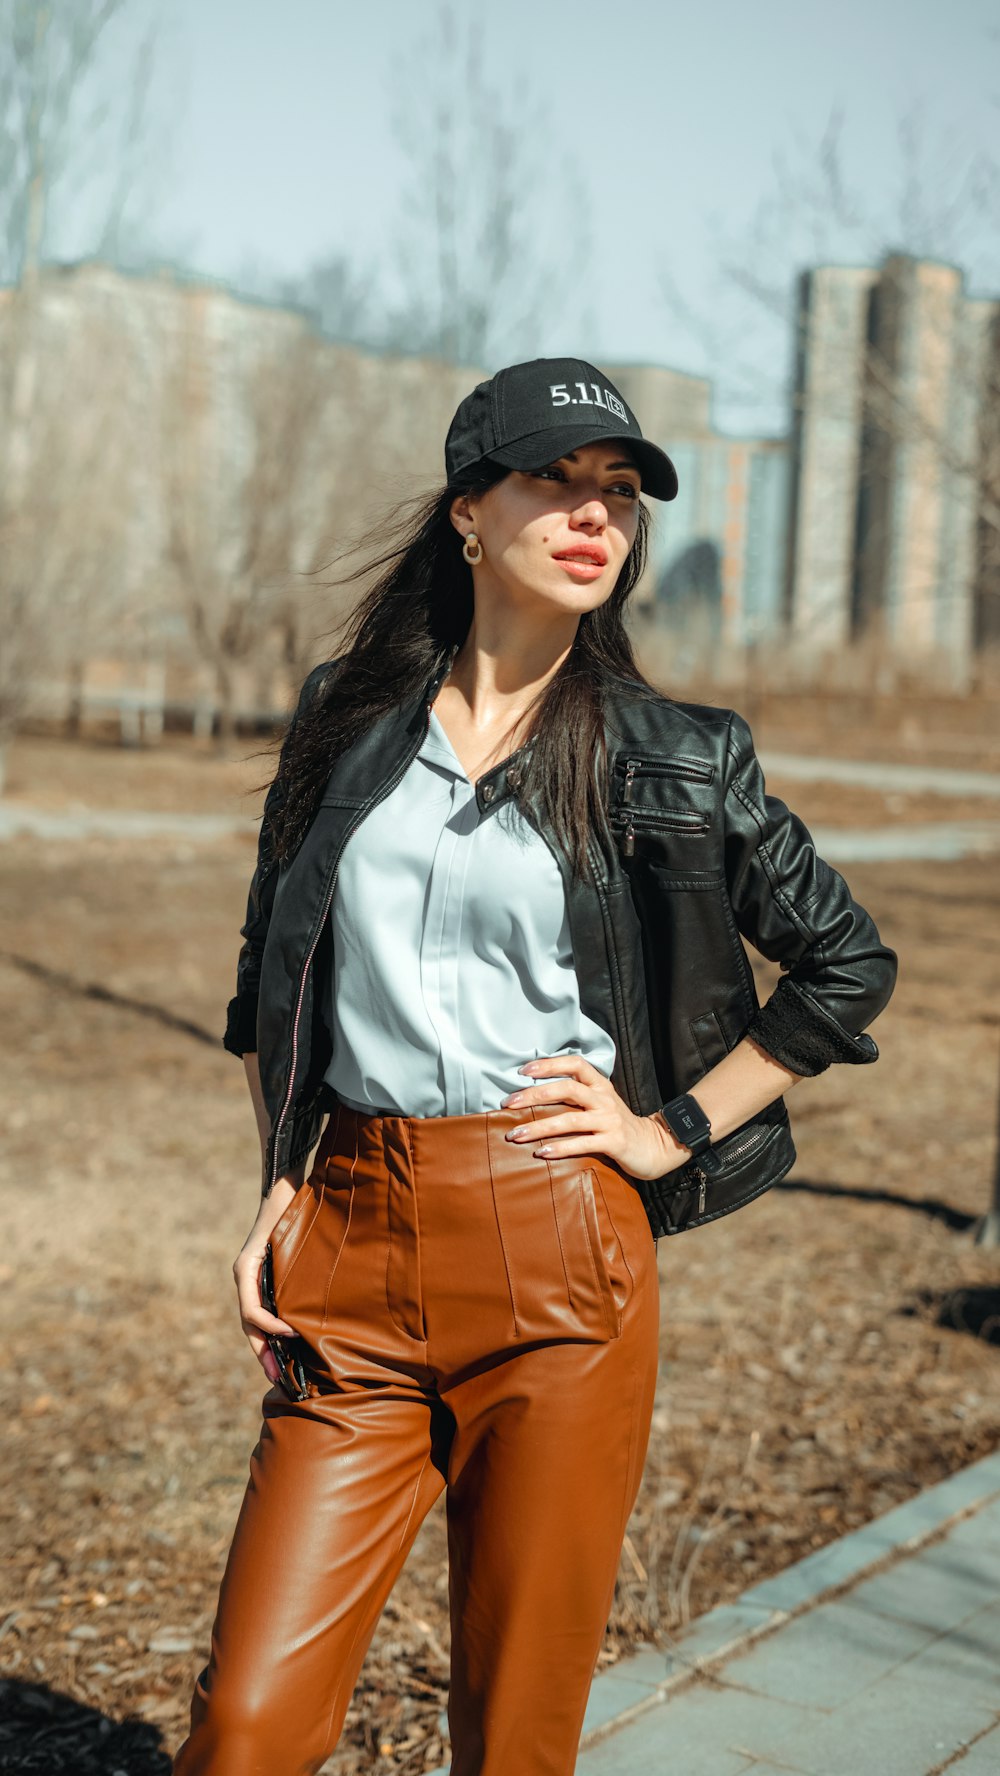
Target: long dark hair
(418, 608)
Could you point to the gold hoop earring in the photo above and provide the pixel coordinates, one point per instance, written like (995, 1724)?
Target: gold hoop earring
(472, 559)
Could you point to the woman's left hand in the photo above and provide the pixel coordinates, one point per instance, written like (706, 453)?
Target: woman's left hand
(641, 1145)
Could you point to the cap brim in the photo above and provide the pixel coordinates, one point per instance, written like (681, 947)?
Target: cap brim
(659, 477)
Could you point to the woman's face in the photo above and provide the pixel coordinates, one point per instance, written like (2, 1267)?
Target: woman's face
(561, 533)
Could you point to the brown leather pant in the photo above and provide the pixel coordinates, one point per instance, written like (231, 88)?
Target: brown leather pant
(469, 1317)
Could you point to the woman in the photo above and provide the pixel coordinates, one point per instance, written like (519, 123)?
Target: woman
(495, 931)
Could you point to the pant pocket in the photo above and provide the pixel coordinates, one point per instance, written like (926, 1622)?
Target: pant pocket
(296, 1211)
(597, 1278)
(306, 1260)
(607, 1244)
(617, 1206)
(286, 1245)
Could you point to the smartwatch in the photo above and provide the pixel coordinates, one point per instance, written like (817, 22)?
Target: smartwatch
(687, 1121)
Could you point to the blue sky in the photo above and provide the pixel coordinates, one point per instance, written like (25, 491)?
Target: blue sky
(278, 119)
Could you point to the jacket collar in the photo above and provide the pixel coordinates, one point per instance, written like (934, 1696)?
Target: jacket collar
(501, 780)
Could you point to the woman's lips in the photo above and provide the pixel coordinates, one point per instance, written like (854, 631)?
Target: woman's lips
(582, 567)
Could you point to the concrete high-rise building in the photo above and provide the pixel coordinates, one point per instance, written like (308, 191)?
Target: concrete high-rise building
(896, 388)
(827, 412)
(720, 552)
(925, 378)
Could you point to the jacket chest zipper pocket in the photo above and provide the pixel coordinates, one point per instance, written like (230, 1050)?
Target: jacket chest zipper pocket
(626, 818)
(688, 770)
(683, 820)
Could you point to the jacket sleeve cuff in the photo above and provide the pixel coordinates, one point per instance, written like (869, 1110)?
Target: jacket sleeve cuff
(241, 1025)
(796, 1032)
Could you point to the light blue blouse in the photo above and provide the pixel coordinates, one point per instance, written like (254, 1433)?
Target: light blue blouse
(452, 960)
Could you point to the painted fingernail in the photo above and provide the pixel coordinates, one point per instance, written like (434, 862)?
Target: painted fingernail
(541, 1150)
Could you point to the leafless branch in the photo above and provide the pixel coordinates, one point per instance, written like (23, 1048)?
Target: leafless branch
(473, 257)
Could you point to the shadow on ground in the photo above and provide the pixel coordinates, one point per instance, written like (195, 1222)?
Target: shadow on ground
(955, 1219)
(974, 1310)
(46, 1733)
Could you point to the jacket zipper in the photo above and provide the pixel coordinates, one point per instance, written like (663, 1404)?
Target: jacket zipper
(688, 770)
(754, 1140)
(675, 820)
(622, 1032)
(387, 789)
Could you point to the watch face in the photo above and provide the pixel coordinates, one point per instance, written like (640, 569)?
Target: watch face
(686, 1119)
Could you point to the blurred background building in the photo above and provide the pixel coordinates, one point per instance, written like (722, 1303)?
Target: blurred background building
(893, 464)
(190, 458)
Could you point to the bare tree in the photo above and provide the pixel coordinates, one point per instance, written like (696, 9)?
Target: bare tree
(468, 268)
(474, 255)
(62, 580)
(296, 472)
(243, 474)
(53, 95)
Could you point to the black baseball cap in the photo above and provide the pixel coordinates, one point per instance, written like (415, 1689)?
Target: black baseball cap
(530, 414)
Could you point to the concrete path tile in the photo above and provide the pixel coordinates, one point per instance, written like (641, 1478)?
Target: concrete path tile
(611, 1698)
(625, 1686)
(648, 1666)
(968, 1656)
(982, 1759)
(712, 1634)
(937, 1587)
(757, 1768)
(705, 1731)
(829, 1655)
(898, 1727)
(980, 1530)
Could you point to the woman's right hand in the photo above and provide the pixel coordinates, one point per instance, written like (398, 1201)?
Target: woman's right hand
(254, 1316)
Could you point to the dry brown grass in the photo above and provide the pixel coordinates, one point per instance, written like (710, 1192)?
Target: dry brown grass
(806, 1385)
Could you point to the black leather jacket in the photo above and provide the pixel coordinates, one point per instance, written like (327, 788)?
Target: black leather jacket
(703, 859)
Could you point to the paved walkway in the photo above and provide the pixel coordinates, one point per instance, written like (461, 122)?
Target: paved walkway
(938, 840)
(869, 774)
(18, 819)
(877, 1656)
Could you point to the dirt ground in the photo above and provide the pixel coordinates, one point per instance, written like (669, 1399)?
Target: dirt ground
(825, 1353)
